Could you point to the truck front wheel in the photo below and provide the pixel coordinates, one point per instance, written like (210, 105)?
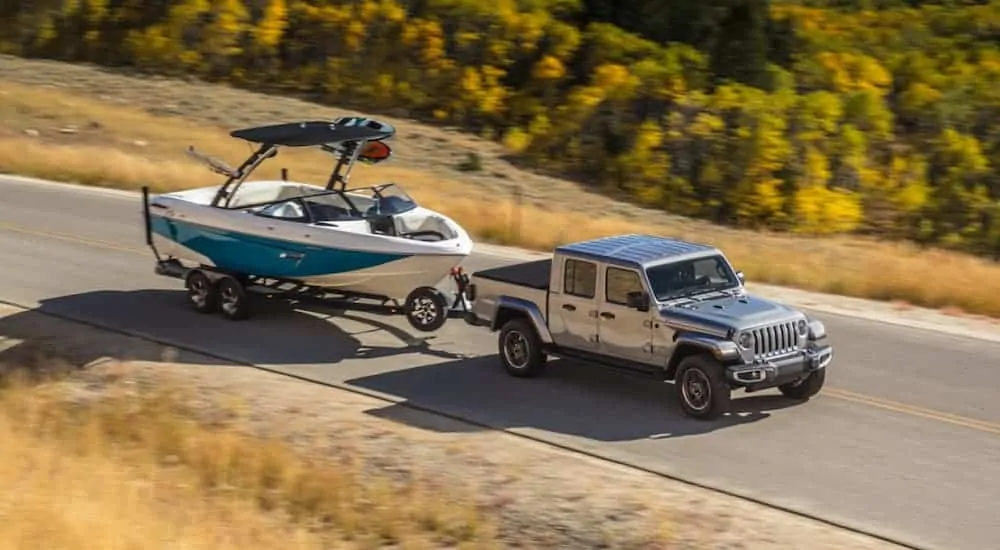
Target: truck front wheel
(520, 349)
(701, 387)
(806, 388)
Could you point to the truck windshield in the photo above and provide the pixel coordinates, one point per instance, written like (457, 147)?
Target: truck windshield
(691, 277)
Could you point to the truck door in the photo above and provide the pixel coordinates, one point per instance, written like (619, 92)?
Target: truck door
(625, 332)
(573, 305)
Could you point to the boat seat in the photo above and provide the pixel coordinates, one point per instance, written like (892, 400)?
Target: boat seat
(290, 211)
(382, 225)
(330, 212)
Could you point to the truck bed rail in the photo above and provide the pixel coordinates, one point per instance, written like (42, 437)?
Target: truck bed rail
(530, 274)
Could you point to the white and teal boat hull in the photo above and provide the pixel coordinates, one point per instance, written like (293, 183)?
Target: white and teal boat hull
(344, 254)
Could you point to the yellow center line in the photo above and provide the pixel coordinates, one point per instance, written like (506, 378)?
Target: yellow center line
(913, 410)
(846, 395)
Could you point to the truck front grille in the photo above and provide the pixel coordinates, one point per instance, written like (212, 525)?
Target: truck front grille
(775, 340)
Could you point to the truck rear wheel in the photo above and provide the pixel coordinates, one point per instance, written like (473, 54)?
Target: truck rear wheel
(520, 349)
(701, 387)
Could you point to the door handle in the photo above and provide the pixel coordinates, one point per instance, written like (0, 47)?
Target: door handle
(569, 307)
(607, 315)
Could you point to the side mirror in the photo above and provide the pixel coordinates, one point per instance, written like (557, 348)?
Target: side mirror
(741, 277)
(638, 300)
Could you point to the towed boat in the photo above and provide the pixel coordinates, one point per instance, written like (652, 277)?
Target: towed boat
(362, 242)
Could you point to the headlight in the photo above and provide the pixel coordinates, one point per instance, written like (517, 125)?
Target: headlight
(803, 327)
(746, 340)
(816, 330)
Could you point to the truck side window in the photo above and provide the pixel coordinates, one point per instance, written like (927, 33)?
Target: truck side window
(618, 284)
(580, 278)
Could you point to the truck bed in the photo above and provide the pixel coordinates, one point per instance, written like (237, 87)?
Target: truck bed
(530, 274)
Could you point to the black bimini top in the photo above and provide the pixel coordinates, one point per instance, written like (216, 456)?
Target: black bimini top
(316, 132)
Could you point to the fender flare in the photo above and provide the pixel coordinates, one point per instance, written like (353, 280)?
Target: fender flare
(507, 305)
(687, 343)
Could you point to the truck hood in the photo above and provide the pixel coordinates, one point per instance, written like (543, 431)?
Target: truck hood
(723, 312)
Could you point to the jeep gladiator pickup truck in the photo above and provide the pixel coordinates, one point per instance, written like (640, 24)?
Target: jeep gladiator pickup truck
(670, 309)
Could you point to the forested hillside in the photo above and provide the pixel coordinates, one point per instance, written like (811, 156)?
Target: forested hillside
(809, 116)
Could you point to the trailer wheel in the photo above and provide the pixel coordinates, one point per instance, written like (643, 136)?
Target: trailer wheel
(426, 309)
(201, 292)
(233, 299)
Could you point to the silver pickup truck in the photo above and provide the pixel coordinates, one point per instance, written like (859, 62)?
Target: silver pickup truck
(671, 309)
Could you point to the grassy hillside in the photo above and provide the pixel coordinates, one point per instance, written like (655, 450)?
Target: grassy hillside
(812, 116)
(78, 123)
(139, 468)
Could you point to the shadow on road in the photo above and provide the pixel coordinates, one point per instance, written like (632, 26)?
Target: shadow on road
(276, 335)
(572, 398)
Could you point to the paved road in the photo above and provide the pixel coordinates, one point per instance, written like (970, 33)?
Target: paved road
(905, 443)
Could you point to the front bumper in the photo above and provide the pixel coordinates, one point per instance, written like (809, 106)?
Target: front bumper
(775, 372)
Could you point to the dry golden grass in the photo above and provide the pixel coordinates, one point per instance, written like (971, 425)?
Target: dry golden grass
(122, 146)
(137, 469)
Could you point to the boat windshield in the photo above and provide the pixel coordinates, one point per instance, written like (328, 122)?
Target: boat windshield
(381, 200)
(688, 278)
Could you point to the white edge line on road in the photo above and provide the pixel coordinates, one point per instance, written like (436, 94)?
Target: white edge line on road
(66, 186)
(870, 310)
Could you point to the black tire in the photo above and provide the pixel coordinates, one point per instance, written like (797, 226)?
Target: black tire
(520, 349)
(234, 302)
(426, 309)
(701, 387)
(201, 292)
(806, 388)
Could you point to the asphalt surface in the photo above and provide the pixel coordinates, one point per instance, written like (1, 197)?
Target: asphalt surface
(905, 441)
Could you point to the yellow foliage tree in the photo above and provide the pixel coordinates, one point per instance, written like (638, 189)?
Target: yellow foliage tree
(850, 72)
(267, 33)
(548, 68)
(221, 41)
(820, 210)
